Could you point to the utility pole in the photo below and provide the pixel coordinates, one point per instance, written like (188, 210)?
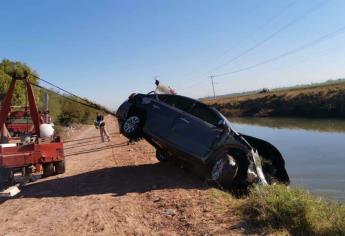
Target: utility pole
(214, 93)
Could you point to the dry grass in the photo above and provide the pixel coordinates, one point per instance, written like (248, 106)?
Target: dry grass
(223, 201)
(321, 101)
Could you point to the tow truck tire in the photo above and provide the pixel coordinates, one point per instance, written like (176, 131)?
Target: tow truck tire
(48, 169)
(224, 171)
(28, 174)
(132, 127)
(6, 177)
(60, 167)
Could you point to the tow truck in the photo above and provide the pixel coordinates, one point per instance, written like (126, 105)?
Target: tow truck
(28, 141)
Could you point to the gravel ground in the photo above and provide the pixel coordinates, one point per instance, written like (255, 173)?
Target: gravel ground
(113, 188)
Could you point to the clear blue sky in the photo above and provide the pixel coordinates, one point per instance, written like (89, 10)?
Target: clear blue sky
(106, 49)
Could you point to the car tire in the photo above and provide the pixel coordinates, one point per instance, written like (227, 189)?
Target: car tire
(162, 156)
(224, 171)
(132, 127)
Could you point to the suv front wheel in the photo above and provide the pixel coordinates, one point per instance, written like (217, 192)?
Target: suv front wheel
(132, 127)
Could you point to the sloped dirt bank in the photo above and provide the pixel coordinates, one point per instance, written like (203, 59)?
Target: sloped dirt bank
(117, 189)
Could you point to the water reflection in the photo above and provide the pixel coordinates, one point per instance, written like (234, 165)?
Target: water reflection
(322, 125)
(314, 160)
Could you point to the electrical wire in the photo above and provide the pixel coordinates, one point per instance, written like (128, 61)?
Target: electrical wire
(275, 33)
(248, 36)
(271, 36)
(327, 36)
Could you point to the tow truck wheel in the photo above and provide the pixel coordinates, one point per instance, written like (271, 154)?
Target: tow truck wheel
(28, 174)
(48, 169)
(6, 177)
(224, 171)
(60, 167)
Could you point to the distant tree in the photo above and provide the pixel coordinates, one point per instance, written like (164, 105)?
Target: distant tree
(9, 69)
(62, 111)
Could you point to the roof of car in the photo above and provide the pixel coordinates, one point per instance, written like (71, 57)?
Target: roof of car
(172, 95)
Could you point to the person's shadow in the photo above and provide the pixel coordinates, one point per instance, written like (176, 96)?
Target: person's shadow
(116, 180)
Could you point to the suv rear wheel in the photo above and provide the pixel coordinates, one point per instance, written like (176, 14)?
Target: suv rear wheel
(162, 156)
(132, 127)
(224, 170)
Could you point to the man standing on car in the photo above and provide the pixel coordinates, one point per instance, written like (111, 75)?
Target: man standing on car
(100, 123)
(162, 89)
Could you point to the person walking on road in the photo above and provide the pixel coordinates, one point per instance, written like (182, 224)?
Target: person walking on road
(100, 123)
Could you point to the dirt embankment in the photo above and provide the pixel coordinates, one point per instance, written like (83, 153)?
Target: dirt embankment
(118, 189)
(325, 101)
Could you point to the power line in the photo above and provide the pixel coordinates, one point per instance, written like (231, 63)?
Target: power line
(275, 33)
(324, 37)
(269, 21)
(258, 44)
(332, 34)
(248, 36)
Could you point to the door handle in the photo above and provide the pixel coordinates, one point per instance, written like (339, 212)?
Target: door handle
(184, 120)
(156, 107)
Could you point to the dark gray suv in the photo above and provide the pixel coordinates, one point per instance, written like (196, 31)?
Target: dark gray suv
(185, 130)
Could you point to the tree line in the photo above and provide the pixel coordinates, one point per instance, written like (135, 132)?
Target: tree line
(63, 111)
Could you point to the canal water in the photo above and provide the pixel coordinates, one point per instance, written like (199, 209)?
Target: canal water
(314, 150)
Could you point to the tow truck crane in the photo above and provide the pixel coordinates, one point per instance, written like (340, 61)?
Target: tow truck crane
(33, 146)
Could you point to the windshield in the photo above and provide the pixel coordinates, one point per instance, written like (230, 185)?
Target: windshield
(227, 122)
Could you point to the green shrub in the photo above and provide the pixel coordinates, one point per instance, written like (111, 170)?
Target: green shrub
(293, 209)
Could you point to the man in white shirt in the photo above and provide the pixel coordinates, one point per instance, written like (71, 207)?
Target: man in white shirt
(162, 89)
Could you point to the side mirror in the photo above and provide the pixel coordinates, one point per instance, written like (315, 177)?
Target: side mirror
(221, 124)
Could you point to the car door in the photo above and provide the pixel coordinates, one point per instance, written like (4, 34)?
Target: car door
(159, 116)
(196, 130)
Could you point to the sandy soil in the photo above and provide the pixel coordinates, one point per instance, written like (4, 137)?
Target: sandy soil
(115, 189)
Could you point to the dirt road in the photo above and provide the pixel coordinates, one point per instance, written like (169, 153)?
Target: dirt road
(115, 189)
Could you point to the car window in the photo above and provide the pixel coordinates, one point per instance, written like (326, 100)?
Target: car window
(162, 97)
(205, 113)
(182, 103)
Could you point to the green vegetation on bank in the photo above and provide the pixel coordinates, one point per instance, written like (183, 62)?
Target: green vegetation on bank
(8, 69)
(321, 101)
(277, 208)
(295, 210)
(62, 111)
(65, 112)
